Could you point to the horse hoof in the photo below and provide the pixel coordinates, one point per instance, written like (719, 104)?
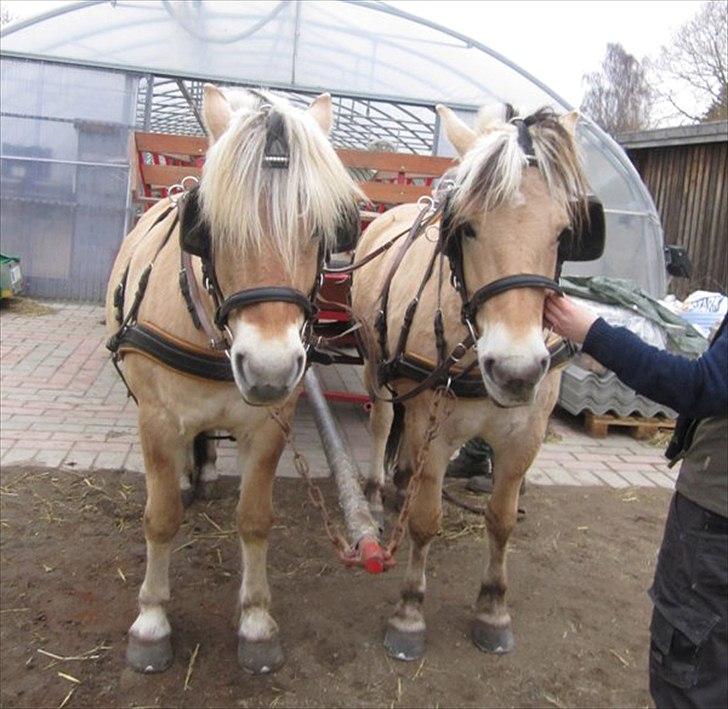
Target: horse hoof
(149, 656)
(260, 657)
(188, 496)
(208, 490)
(402, 645)
(497, 639)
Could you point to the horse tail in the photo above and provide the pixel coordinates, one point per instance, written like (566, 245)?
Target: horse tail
(394, 439)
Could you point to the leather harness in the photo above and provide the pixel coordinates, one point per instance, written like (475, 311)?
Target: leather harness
(146, 339)
(215, 365)
(464, 383)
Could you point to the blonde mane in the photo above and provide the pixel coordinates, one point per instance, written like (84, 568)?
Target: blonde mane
(491, 172)
(251, 207)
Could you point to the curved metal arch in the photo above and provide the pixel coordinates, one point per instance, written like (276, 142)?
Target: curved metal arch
(15, 26)
(384, 7)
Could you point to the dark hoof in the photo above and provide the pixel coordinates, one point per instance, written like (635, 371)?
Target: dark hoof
(208, 490)
(492, 638)
(402, 645)
(260, 657)
(149, 656)
(188, 496)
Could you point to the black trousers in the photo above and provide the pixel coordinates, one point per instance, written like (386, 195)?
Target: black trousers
(689, 629)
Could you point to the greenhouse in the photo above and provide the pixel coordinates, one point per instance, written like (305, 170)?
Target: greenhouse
(78, 81)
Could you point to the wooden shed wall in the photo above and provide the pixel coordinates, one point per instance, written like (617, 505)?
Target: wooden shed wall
(689, 184)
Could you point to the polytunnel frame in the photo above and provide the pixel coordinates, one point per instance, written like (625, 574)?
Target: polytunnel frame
(613, 152)
(373, 5)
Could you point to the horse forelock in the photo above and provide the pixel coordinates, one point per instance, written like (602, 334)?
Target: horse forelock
(491, 172)
(253, 207)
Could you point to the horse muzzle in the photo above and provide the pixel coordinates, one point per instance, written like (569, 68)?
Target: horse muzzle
(266, 371)
(512, 370)
(513, 384)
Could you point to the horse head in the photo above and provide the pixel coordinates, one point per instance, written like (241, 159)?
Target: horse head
(272, 200)
(519, 189)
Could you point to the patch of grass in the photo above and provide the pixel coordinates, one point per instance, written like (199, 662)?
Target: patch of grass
(26, 307)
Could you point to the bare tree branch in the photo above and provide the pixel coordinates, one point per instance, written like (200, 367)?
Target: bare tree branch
(694, 64)
(618, 97)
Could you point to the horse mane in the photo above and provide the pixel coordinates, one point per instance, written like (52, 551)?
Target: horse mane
(491, 172)
(252, 207)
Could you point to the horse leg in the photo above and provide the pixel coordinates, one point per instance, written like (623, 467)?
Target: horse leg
(149, 647)
(259, 647)
(206, 458)
(380, 420)
(405, 635)
(491, 630)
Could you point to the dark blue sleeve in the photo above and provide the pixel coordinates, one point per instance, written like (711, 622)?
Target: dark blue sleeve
(696, 388)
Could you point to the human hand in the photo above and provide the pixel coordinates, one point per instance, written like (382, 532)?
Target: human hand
(567, 318)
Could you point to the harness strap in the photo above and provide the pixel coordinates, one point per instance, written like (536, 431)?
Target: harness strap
(412, 307)
(461, 384)
(265, 294)
(195, 306)
(369, 257)
(119, 293)
(143, 339)
(490, 290)
(114, 342)
(417, 228)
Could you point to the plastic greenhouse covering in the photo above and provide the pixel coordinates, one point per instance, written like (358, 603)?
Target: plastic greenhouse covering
(71, 79)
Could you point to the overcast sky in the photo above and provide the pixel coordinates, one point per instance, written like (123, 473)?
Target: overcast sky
(556, 41)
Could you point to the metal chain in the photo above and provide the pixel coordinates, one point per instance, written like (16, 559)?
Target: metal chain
(441, 407)
(314, 491)
(443, 402)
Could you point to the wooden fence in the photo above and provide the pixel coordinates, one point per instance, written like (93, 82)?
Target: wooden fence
(686, 171)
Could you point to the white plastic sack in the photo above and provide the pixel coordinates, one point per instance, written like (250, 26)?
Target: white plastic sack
(619, 316)
(704, 310)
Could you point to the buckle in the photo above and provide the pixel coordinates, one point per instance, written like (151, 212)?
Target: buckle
(471, 328)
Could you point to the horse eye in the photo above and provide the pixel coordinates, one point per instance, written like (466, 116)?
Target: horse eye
(468, 231)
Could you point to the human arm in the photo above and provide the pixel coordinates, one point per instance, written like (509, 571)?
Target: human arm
(695, 388)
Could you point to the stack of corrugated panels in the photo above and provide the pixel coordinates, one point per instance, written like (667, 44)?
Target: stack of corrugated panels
(583, 390)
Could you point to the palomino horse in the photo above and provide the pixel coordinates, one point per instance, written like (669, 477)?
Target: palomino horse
(272, 199)
(518, 187)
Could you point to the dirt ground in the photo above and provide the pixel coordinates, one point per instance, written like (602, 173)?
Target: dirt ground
(72, 557)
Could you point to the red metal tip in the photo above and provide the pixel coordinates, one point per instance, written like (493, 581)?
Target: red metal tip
(372, 556)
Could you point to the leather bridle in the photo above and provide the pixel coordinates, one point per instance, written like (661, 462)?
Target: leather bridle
(275, 156)
(396, 365)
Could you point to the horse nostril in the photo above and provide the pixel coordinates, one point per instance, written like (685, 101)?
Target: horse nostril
(544, 364)
(300, 363)
(488, 366)
(239, 359)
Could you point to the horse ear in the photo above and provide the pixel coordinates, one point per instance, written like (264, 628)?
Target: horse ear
(321, 111)
(456, 130)
(216, 111)
(490, 117)
(569, 121)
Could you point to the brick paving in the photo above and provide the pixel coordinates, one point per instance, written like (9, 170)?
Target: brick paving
(62, 405)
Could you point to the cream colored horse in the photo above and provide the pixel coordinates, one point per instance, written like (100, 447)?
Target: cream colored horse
(517, 212)
(266, 228)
